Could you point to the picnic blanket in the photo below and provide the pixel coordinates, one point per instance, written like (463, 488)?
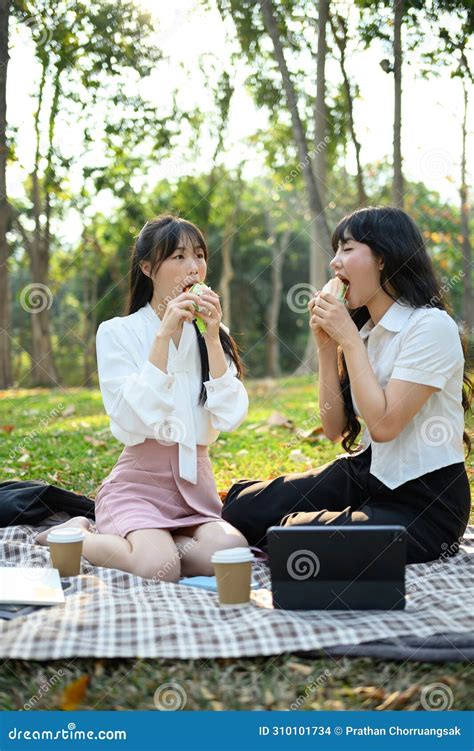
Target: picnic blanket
(109, 613)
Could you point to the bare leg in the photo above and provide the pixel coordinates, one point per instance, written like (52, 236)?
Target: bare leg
(150, 553)
(208, 537)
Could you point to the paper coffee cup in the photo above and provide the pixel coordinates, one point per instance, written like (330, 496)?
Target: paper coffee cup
(233, 568)
(65, 547)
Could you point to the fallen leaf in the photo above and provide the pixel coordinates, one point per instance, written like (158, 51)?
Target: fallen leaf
(56, 477)
(206, 693)
(69, 410)
(93, 441)
(313, 436)
(24, 459)
(99, 667)
(74, 693)
(280, 421)
(448, 679)
(7, 428)
(297, 456)
(371, 692)
(299, 667)
(398, 699)
(222, 495)
(268, 698)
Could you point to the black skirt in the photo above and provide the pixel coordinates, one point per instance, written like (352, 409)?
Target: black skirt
(434, 508)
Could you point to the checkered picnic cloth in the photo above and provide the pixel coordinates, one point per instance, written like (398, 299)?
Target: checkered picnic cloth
(109, 613)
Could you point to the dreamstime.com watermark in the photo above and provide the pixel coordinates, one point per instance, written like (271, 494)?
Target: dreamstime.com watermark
(450, 550)
(170, 429)
(22, 446)
(170, 697)
(44, 688)
(437, 697)
(296, 171)
(181, 550)
(303, 564)
(66, 734)
(447, 284)
(310, 689)
(178, 289)
(313, 418)
(36, 297)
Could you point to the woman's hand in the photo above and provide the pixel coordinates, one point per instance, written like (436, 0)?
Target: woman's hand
(178, 310)
(323, 339)
(211, 314)
(332, 317)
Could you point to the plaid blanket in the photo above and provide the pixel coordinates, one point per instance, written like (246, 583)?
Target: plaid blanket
(109, 613)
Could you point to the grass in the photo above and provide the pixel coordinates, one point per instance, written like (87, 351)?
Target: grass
(62, 437)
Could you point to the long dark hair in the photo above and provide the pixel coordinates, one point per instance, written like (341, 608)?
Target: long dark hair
(408, 272)
(157, 240)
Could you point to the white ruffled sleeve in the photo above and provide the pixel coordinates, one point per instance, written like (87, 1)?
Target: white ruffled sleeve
(135, 399)
(227, 400)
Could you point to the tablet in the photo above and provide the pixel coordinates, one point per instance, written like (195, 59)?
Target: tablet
(328, 567)
(38, 585)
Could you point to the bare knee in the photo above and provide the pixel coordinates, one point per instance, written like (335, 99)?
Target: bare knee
(222, 535)
(154, 555)
(236, 540)
(168, 570)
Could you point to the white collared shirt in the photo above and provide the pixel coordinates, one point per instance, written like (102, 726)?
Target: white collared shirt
(420, 345)
(144, 402)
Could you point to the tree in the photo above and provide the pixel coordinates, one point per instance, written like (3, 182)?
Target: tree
(82, 67)
(451, 49)
(278, 245)
(468, 303)
(398, 7)
(248, 27)
(5, 349)
(320, 105)
(340, 34)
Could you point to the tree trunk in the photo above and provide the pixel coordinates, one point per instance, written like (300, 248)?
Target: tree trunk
(320, 108)
(320, 236)
(90, 252)
(273, 312)
(397, 120)
(43, 370)
(341, 42)
(227, 271)
(5, 314)
(468, 312)
(39, 299)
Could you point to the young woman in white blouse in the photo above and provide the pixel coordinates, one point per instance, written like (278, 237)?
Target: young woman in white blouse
(168, 390)
(392, 356)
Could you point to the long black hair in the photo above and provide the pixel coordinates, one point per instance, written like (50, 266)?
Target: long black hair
(158, 240)
(407, 274)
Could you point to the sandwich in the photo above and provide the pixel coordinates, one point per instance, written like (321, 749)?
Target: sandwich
(199, 289)
(337, 288)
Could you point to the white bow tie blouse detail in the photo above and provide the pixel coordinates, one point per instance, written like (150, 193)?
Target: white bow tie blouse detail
(144, 402)
(421, 345)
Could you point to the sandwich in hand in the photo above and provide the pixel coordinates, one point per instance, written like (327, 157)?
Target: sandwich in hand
(337, 288)
(199, 289)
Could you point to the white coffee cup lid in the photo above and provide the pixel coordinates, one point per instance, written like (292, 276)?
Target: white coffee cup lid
(232, 555)
(66, 534)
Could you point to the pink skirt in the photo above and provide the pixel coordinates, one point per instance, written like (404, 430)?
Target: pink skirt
(144, 491)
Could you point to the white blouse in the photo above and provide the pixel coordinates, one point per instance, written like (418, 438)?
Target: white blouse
(144, 402)
(420, 345)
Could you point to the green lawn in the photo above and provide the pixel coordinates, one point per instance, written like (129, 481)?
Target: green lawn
(61, 436)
